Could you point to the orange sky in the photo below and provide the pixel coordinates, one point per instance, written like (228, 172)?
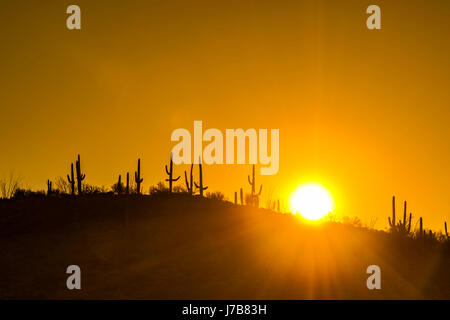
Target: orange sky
(363, 112)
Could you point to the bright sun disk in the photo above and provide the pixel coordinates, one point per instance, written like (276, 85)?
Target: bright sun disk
(312, 201)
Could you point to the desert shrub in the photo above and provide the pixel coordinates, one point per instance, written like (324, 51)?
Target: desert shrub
(331, 217)
(215, 195)
(91, 189)
(354, 221)
(9, 186)
(251, 200)
(118, 188)
(62, 186)
(159, 188)
(24, 194)
(179, 189)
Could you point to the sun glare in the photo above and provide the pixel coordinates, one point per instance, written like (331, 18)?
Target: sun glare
(312, 201)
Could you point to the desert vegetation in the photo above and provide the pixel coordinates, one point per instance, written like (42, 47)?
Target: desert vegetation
(179, 241)
(75, 185)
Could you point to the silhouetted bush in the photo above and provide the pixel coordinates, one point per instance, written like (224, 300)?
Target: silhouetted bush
(24, 194)
(118, 188)
(8, 187)
(62, 186)
(159, 189)
(91, 189)
(215, 195)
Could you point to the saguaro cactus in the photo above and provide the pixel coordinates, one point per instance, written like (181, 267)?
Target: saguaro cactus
(235, 198)
(127, 189)
(137, 177)
(278, 205)
(170, 174)
(49, 187)
(445, 228)
(189, 185)
(392, 222)
(80, 177)
(119, 185)
(71, 179)
(403, 227)
(200, 186)
(242, 196)
(252, 182)
(420, 227)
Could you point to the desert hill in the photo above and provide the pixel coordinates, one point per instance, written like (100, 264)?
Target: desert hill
(182, 247)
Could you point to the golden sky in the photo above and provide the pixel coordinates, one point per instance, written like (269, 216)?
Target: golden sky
(363, 112)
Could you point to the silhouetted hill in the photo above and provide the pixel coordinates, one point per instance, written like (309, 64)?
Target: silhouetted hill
(179, 247)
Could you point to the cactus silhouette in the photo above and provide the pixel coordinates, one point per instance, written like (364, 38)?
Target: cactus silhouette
(189, 185)
(445, 228)
(242, 196)
(421, 227)
(200, 185)
(71, 180)
(235, 198)
(137, 177)
(254, 195)
(401, 227)
(170, 174)
(80, 176)
(392, 222)
(127, 189)
(49, 187)
(119, 185)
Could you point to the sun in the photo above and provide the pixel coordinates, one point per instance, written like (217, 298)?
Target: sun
(312, 201)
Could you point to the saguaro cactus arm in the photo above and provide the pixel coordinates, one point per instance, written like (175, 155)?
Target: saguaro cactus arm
(200, 186)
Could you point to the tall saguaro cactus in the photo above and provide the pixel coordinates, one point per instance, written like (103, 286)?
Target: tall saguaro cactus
(80, 176)
(189, 185)
(137, 177)
(119, 185)
(254, 195)
(445, 228)
(170, 174)
(421, 227)
(71, 179)
(402, 227)
(127, 188)
(200, 185)
(392, 222)
(49, 187)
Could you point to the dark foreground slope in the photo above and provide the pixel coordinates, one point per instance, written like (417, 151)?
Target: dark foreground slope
(158, 247)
